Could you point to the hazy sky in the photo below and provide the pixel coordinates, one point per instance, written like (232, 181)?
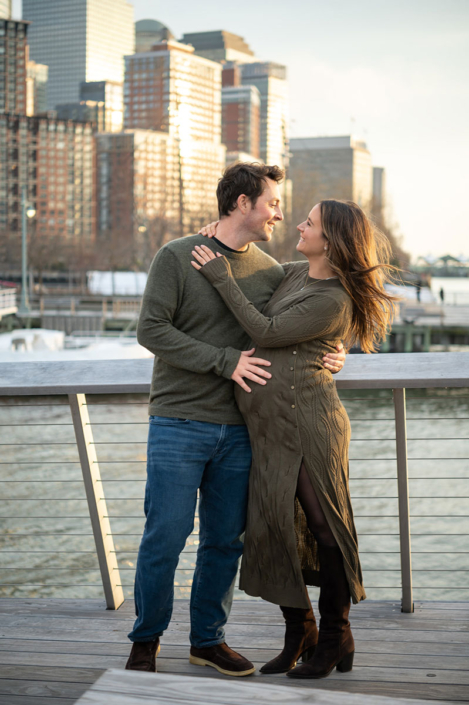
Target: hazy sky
(395, 73)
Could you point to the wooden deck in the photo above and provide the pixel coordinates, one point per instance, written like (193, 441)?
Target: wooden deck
(52, 650)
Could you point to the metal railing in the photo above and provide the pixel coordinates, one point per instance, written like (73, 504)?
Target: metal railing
(75, 425)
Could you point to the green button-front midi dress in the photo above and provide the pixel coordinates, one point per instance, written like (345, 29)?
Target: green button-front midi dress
(297, 417)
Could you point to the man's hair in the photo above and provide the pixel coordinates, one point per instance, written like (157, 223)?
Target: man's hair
(244, 178)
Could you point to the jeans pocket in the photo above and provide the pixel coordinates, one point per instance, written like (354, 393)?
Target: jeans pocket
(168, 421)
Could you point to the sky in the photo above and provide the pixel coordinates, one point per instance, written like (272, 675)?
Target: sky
(394, 73)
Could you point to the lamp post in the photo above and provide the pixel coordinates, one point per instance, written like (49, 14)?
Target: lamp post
(27, 211)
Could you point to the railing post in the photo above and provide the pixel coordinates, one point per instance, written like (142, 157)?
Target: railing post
(403, 499)
(110, 575)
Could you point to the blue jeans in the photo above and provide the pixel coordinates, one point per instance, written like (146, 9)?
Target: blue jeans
(184, 456)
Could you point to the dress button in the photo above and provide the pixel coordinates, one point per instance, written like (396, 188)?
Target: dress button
(292, 368)
(292, 406)
(294, 352)
(292, 387)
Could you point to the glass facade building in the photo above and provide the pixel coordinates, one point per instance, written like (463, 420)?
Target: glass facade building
(219, 46)
(80, 40)
(271, 81)
(101, 102)
(172, 90)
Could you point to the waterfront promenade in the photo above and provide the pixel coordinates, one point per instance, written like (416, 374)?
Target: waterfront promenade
(52, 649)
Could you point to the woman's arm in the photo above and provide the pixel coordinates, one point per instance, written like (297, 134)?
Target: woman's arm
(316, 317)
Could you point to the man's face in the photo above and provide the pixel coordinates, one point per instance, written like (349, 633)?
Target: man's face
(261, 218)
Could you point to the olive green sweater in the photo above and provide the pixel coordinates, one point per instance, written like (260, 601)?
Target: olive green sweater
(196, 340)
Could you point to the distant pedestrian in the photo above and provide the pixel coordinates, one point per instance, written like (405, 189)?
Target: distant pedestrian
(418, 286)
(442, 295)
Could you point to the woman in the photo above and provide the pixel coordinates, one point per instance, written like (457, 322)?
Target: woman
(300, 526)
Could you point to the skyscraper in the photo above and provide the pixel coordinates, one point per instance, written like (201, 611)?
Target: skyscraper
(220, 46)
(5, 9)
(138, 198)
(173, 90)
(379, 193)
(271, 81)
(37, 76)
(13, 66)
(80, 40)
(329, 167)
(101, 102)
(150, 32)
(55, 161)
(241, 121)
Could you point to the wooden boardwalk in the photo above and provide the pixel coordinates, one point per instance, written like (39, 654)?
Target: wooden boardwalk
(52, 650)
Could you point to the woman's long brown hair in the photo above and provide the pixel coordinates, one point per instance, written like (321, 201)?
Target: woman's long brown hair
(359, 254)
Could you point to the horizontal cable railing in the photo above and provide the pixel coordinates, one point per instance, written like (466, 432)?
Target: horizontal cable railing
(71, 516)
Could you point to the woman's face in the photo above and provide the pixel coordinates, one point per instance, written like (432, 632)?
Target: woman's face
(312, 241)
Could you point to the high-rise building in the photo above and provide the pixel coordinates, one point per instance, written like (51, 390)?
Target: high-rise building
(138, 194)
(329, 167)
(379, 193)
(150, 32)
(172, 90)
(5, 9)
(271, 81)
(13, 66)
(36, 86)
(55, 161)
(101, 102)
(80, 40)
(220, 46)
(241, 121)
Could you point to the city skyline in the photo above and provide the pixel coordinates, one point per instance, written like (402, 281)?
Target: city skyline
(393, 75)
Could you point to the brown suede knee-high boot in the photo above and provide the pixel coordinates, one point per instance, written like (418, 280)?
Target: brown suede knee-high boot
(335, 646)
(301, 636)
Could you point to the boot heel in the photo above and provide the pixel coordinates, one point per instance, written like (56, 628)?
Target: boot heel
(347, 663)
(309, 653)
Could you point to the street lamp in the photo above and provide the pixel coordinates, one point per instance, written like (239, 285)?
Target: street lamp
(27, 211)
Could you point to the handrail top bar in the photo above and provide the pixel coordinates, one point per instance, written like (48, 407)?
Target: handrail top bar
(381, 371)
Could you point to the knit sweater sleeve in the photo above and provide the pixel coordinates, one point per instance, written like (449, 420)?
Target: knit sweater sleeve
(156, 330)
(318, 316)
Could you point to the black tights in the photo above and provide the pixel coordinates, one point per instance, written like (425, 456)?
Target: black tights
(315, 517)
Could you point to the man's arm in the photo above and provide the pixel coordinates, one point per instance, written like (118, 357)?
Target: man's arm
(157, 333)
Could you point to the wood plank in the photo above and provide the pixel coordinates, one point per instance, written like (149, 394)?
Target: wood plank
(14, 699)
(122, 648)
(129, 688)
(104, 661)
(401, 622)
(236, 641)
(44, 689)
(243, 610)
(50, 673)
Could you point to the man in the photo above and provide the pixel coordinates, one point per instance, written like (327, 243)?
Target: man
(197, 438)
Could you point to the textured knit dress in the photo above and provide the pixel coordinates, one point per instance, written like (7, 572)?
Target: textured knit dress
(297, 417)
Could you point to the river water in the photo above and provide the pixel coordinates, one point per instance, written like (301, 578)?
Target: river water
(46, 544)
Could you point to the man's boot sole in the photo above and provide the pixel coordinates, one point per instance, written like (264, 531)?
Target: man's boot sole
(203, 662)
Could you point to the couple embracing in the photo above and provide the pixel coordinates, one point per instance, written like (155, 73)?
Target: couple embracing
(244, 410)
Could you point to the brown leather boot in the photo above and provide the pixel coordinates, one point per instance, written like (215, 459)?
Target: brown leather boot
(143, 656)
(335, 646)
(224, 659)
(301, 636)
